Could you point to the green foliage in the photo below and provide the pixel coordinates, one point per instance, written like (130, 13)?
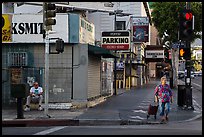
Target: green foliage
(165, 17)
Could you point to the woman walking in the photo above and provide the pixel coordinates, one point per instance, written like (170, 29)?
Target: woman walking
(163, 95)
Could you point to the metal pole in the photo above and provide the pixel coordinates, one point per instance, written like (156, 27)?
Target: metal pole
(46, 65)
(188, 100)
(46, 72)
(115, 61)
(130, 83)
(188, 6)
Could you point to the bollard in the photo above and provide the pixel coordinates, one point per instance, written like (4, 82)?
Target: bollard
(20, 108)
(181, 98)
(19, 91)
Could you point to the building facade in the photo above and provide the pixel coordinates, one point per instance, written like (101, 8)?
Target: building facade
(78, 64)
(23, 58)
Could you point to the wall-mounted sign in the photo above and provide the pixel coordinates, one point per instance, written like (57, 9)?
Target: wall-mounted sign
(6, 28)
(140, 29)
(116, 40)
(27, 28)
(154, 54)
(86, 32)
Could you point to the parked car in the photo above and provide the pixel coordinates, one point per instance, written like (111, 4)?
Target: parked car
(198, 73)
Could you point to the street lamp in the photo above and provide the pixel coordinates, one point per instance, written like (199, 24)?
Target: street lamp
(116, 13)
(115, 60)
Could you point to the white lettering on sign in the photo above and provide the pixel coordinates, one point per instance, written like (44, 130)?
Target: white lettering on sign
(27, 28)
(154, 53)
(114, 40)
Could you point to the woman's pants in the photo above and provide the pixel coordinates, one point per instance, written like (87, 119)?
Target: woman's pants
(164, 108)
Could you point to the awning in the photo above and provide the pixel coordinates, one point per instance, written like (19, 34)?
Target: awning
(99, 51)
(140, 64)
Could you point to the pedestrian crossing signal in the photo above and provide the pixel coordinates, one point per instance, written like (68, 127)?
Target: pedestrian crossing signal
(184, 53)
(181, 52)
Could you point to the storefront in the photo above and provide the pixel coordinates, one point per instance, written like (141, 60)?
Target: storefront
(74, 75)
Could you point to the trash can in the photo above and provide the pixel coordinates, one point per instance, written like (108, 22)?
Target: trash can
(181, 98)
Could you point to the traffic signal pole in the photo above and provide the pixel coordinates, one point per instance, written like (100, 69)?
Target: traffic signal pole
(188, 80)
(46, 64)
(46, 72)
(188, 100)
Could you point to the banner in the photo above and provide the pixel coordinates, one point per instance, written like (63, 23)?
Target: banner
(140, 29)
(6, 28)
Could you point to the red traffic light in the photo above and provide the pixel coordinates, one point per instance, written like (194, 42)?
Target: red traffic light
(188, 16)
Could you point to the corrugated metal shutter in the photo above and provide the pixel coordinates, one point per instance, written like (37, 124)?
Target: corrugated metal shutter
(60, 76)
(93, 77)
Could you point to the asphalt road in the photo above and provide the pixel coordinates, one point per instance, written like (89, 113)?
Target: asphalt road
(183, 128)
(197, 82)
(139, 98)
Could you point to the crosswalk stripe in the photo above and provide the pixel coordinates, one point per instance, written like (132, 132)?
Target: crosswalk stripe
(45, 132)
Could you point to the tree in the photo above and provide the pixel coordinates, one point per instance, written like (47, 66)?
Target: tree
(165, 17)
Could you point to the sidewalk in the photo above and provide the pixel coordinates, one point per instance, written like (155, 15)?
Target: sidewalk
(126, 108)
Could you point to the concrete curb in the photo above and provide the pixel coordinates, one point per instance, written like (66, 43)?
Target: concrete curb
(39, 122)
(97, 122)
(80, 122)
(71, 122)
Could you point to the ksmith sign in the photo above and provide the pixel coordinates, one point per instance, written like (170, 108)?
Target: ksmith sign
(116, 40)
(28, 28)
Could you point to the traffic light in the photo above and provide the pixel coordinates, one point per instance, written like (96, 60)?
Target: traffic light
(185, 25)
(167, 55)
(184, 53)
(49, 13)
(59, 45)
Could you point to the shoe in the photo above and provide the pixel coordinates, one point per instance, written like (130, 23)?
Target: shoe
(163, 120)
(40, 108)
(167, 119)
(27, 109)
